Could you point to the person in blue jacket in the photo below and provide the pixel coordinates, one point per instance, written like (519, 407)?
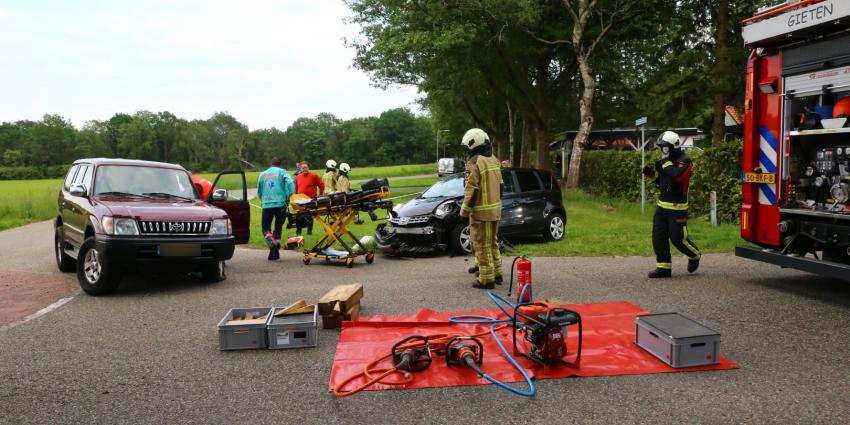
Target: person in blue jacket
(274, 187)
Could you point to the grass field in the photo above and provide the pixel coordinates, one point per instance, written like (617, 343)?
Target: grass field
(602, 226)
(27, 201)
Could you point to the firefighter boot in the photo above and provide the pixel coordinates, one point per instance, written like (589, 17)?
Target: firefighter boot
(473, 269)
(657, 273)
(693, 265)
(479, 285)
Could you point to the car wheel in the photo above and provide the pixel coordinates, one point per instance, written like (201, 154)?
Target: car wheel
(65, 263)
(96, 276)
(460, 240)
(556, 227)
(215, 272)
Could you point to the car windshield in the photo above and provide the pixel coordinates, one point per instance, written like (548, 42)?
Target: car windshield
(450, 186)
(143, 181)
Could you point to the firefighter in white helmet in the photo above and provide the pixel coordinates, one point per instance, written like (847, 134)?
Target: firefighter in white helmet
(482, 203)
(672, 174)
(342, 182)
(329, 178)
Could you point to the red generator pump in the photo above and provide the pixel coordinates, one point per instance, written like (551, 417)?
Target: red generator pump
(796, 161)
(523, 279)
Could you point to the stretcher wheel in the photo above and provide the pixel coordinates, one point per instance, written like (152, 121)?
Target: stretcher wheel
(349, 262)
(370, 257)
(306, 259)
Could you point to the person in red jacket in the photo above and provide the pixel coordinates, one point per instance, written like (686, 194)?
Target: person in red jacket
(310, 184)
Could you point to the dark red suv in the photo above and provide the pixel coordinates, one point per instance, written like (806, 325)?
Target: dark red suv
(117, 214)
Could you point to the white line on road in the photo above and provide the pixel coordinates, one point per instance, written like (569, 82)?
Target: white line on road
(39, 313)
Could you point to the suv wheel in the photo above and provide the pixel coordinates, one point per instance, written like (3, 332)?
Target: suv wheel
(460, 240)
(214, 272)
(65, 263)
(96, 276)
(555, 227)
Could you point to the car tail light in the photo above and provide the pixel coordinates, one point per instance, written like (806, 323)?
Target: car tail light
(555, 179)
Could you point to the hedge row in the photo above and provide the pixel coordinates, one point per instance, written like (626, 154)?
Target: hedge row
(617, 174)
(33, 172)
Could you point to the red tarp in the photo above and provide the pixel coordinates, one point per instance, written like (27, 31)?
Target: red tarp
(609, 348)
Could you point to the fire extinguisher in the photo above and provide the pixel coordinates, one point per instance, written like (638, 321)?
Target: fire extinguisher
(523, 279)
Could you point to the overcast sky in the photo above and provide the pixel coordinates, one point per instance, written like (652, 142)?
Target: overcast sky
(265, 62)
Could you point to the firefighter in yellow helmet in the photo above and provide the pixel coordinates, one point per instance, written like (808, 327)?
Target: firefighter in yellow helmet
(482, 203)
(329, 178)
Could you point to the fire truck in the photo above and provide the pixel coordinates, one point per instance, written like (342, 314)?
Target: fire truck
(796, 152)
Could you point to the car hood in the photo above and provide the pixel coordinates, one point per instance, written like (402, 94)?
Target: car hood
(164, 209)
(421, 206)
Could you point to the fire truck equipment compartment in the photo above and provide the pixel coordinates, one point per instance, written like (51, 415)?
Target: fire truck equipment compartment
(677, 340)
(609, 347)
(293, 331)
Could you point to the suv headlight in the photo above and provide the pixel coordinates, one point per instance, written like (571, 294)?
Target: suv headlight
(120, 226)
(444, 209)
(221, 226)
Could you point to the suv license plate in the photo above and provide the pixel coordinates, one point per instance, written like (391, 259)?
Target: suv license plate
(178, 250)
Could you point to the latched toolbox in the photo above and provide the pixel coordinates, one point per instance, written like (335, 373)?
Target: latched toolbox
(677, 340)
(293, 331)
(243, 328)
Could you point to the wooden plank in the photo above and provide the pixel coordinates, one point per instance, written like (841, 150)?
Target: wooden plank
(352, 313)
(348, 295)
(331, 321)
(288, 309)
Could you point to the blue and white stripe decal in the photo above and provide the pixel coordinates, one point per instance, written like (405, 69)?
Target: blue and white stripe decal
(768, 147)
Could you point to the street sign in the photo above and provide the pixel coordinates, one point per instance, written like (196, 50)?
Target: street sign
(640, 121)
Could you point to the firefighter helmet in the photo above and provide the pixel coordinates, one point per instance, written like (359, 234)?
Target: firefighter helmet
(669, 138)
(344, 167)
(474, 138)
(842, 108)
(330, 164)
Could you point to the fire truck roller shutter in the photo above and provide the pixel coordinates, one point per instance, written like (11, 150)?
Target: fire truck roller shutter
(828, 53)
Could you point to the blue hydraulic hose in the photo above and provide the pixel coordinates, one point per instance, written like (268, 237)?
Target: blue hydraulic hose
(472, 319)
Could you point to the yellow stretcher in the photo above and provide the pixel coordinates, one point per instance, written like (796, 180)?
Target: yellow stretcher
(334, 212)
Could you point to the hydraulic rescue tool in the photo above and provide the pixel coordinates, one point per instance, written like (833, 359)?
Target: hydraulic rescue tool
(465, 350)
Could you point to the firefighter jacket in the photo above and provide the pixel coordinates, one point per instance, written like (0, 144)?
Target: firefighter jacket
(342, 183)
(482, 197)
(673, 177)
(329, 179)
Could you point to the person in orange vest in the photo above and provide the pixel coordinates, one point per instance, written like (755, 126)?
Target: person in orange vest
(203, 186)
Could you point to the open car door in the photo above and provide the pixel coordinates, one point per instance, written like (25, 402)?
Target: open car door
(230, 193)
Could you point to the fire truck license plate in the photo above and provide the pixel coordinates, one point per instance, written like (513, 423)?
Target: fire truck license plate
(759, 178)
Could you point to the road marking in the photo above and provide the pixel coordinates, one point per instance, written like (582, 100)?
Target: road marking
(39, 313)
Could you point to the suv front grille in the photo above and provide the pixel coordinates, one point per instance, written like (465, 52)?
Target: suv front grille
(156, 227)
(404, 221)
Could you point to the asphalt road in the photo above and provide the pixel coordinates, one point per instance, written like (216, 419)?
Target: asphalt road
(149, 354)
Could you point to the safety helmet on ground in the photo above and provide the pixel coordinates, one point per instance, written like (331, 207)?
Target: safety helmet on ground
(330, 164)
(842, 108)
(474, 138)
(669, 138)
(344, 167)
